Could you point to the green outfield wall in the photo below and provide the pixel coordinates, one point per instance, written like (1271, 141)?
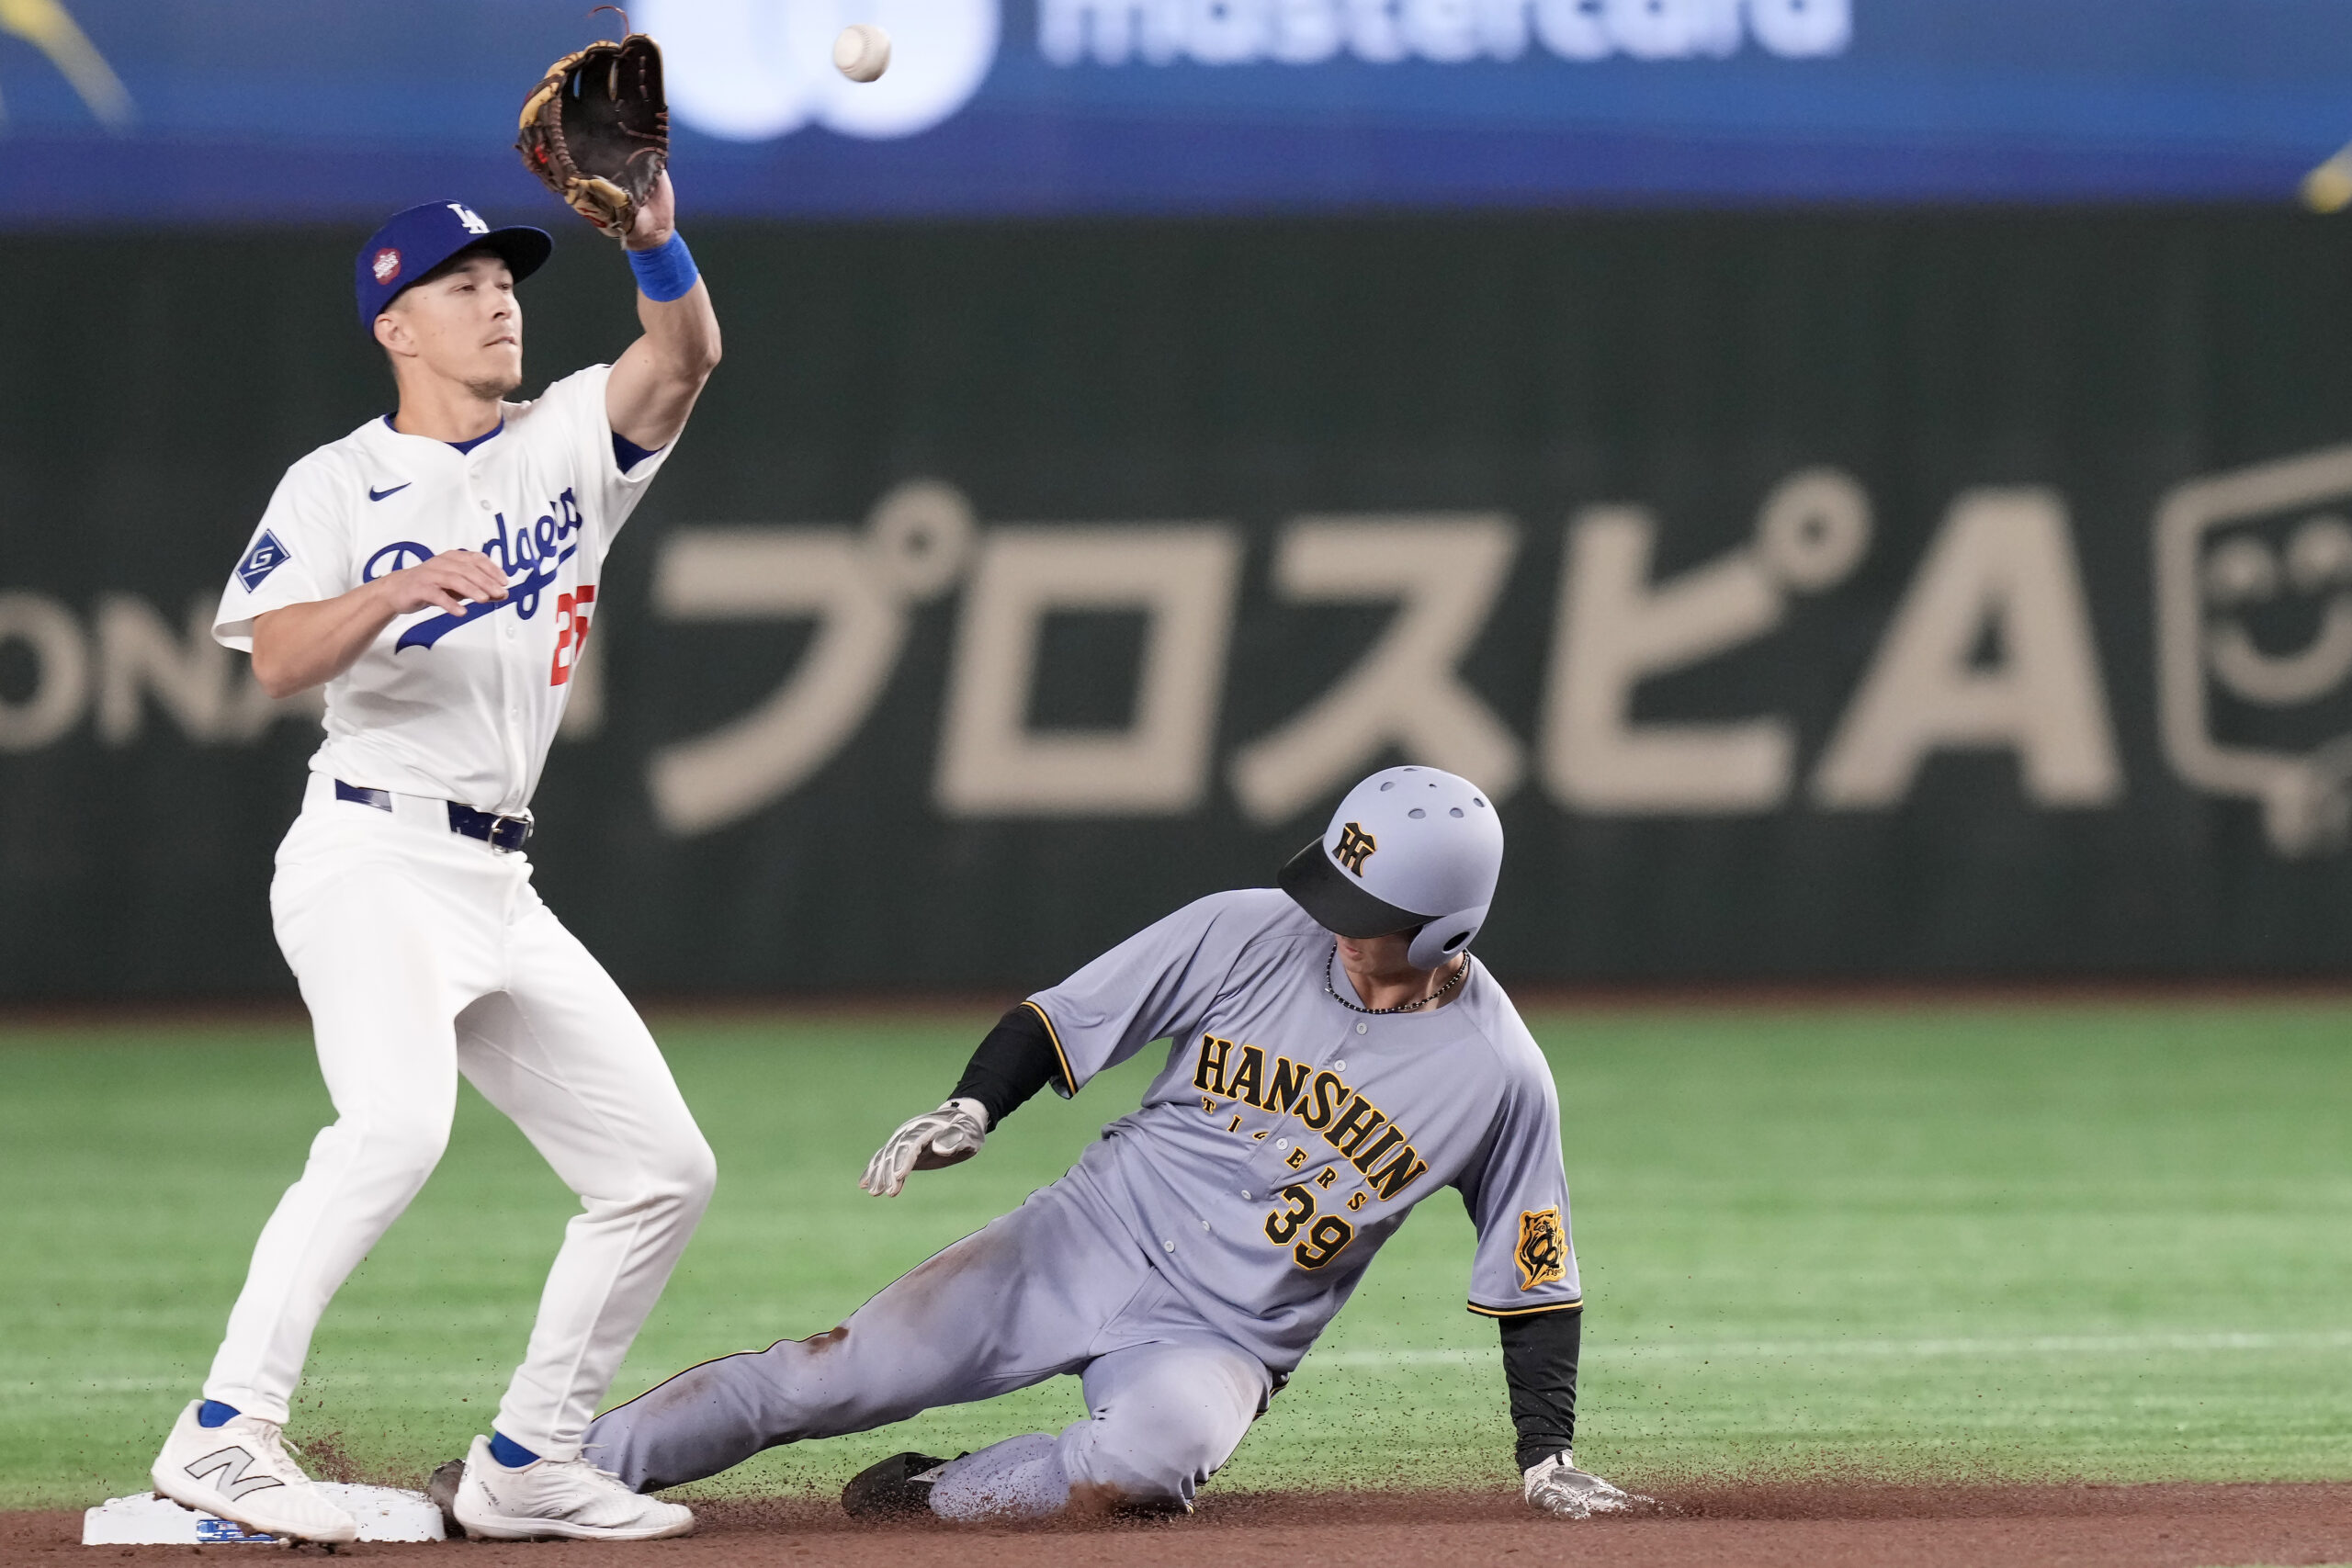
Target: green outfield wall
(1821, 596)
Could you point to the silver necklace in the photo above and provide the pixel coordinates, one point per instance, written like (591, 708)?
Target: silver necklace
(1333, 991)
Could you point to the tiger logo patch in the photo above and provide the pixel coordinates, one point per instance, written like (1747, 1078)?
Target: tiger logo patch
(1542, 1255)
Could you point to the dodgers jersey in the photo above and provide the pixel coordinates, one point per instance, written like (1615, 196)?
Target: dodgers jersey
(1289, 1135)
(462, 707)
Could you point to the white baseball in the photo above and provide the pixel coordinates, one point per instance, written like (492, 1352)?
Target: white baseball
(861, 52)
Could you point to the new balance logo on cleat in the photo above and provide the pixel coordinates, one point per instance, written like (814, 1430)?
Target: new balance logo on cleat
(240, 1472)
(233, 1465)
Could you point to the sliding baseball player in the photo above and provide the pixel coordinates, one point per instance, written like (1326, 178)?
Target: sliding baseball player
(1336, 1056)
(436, 570)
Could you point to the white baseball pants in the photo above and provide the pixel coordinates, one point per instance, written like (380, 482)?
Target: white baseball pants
(422, 954)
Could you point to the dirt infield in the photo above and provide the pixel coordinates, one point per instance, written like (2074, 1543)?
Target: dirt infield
(1791, 1524)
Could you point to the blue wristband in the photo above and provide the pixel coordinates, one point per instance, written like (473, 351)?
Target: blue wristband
(667, 271)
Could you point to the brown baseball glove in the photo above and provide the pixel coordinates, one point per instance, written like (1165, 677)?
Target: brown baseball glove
(596, 130)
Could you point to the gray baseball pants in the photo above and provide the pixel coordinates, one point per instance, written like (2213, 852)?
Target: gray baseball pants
(1055, 1286)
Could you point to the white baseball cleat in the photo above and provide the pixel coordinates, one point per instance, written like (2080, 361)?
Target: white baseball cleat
(241, 1471)
(566, 1498)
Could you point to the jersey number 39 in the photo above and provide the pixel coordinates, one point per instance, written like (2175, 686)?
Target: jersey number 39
(1326, 1233)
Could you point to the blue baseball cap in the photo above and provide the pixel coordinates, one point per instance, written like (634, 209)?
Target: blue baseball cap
(412, 242)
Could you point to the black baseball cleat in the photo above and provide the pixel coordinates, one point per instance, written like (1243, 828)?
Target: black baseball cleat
(443, 1490)
(897, 1488)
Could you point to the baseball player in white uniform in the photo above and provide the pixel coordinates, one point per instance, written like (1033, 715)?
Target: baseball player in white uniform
(436, 570)
(1336, 1055)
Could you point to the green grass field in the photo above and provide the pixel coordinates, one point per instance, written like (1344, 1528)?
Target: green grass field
(2103, 1241)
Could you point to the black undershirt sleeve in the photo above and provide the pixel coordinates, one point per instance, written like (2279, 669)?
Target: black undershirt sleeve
(1540, 1365)
(1012, 1063)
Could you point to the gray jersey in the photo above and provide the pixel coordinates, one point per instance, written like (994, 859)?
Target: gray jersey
(1190, 1259)
(1289, 1134)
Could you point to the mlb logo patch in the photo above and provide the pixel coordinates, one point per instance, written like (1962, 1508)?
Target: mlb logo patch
(209, 1529)
(266, 556)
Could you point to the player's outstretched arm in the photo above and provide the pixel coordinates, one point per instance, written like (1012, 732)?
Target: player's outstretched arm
(1015, 1060)
(654, 384)
(932, 1141)
(1540, 1354)
(302, 646)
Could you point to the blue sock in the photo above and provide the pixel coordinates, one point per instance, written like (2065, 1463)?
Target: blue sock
(213, 1413)
(509, 1453)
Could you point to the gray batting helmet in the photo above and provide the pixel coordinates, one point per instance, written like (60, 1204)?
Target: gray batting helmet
(1409, 847)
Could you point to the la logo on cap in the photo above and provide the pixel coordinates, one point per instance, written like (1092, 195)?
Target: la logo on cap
(387, 264)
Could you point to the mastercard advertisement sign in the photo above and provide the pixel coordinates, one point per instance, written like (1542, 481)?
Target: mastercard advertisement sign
(274, 111)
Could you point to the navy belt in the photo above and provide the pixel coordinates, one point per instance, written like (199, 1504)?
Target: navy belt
(508, 833)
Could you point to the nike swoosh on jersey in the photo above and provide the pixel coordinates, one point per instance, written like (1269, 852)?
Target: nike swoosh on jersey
(375, 495)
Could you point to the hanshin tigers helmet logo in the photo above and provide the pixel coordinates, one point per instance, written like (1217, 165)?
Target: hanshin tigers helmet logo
(1542, 1255)
(1355, 847)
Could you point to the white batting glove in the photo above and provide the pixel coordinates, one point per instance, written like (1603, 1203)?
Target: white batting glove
(1557, 1487)
(949, 1135)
